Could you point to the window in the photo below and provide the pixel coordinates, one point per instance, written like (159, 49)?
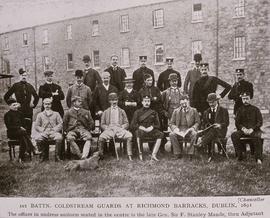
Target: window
(26, 64)
(196, 48)
(46, 63)
(125, 57)
(197, 12)
(124, 23)
(96, 61)
(69, 31)
(6, 43)
(239, 47)
(158, 18)
(159, 54)
(45, 37)
(95, 28)
(240, 8)
(25, 39)
(69, 62)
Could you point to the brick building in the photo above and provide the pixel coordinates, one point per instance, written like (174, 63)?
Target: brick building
(230, 34)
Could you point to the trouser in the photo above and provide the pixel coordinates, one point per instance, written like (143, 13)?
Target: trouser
(207, 140)
(240, 146)
(27, 123)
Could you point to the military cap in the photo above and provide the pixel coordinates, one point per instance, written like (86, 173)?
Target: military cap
(212, 97)
(21, 71)
(173, 76)
(79, 73)
(245, 94)
(143, 58)
(75, 98)
(204, 65)
(47, 100)
(128, 80)
(184, 97)
(86, 58)
(146, 76)
(48, 73)
(11, 101)
(197, 57)
(169, 59)
(112, 96)
(146, 96)
(239, 71)
(105, 74)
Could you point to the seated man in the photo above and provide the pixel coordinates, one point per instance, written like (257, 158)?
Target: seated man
(15, 130)
(215, 121)
(184, 124)
(77, 124)
(248, 122)
(146, 124)
(114, 122)
(49, 127)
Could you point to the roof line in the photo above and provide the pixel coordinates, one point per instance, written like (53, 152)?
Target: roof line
(89, 15)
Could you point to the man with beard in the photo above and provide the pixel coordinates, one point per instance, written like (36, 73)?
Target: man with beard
(239, 87)
(117, 74)
(206, 85)
(24, 92)
(248, 122)
(52, 90)
(138, 75)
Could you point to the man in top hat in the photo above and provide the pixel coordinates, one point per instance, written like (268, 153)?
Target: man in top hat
(101, 92)
(129, 99)
(117, 74)
(26, 95)
(163, 80)
(49, 127)
(184, 124)
(248, 122)
(91, 76)
(51, 90)
(138, 75)
(217, 119)
(77, 124)
(206, 85)
(192, 76)
(79, 89)
(145, 123)
(114, 122)
(239, 87)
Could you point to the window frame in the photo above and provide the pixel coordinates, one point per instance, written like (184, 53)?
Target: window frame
(69, 31)
(122, 57)
(45, 37)
(94, 60)
(25, 39)
(197, 17)
(156, 48)
(6, 43)
(239, 48)
(95, 28)
(196, 51)
(68, 62)
(239, 9)
(46, 66)
(123, 25)
(155, 18)
(26, 64)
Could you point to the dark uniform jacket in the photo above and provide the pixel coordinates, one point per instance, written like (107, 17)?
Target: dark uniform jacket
(100, 97)
(190, 80)
(221, 116)
(91, 78)
(117, 77)
(13, 121)
(145, 117)
(248, 116)
(23, 92)
(237, 89)
(205, 86)
(46, 90)
(163, 80)
(133, 96)
(138, 76)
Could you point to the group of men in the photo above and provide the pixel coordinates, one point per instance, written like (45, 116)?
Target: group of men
(134, 110)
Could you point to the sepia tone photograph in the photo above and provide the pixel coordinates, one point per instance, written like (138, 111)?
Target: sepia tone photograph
(134, 98)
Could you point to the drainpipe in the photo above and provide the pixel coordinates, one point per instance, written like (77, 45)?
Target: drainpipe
(217, 39)
(35, 57)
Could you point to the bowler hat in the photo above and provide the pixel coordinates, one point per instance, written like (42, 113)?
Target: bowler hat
(21, 71)
(86, 58)
(173, 76)
(11, 101)
(48, 73)
(212, 97)
(112, 96)
(79, 73)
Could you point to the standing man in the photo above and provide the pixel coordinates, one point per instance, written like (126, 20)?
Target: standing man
(206, 85)
(163, 79)
(91, 76)
(24, 92)
(52, 90)
(138, 75)
(191, 78)
(239, 87)
(79, 89)
(248, 122)
(117, 74)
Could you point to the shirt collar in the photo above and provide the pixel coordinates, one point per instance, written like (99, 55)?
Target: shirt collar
(129, 90)
(76, 108)
(215, 108)
(114, 108)
(48, 82)
(106, 86)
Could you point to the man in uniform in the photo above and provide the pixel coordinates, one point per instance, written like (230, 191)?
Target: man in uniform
(248, 122)
(79, 89)
(206, 85)
(24, 92)
(138, 75)
(145, 123)
(117, 74)
(239, 87)
(163, 79)
(192, 76)
(52, 90)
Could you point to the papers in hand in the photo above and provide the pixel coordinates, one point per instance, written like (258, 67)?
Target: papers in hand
(182, 133)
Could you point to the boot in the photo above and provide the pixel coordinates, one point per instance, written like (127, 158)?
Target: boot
(74, 148)
(129, 148)
(101, 149)
(155, 150)
(86, 149)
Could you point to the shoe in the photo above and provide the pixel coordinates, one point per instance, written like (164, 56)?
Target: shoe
(259, 162)
(154, 157)
(130, 157)
(141, 156)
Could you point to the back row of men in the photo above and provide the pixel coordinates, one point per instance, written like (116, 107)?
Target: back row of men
(93, 91)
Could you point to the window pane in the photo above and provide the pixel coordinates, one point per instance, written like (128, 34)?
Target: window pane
(196, 47)
(25, 39)
(159, 53)
(69, 32)
(197, 12)
(124, 25)
(45, 36)
(69, 61)
(95, 28)
(158, 18)
(6, 43)
(96, 61)
(46, 62)
(125, 57)
(239, 47)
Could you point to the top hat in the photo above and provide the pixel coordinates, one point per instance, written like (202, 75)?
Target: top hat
(197, 57)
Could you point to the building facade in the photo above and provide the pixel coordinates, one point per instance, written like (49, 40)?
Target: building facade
(229, 34)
